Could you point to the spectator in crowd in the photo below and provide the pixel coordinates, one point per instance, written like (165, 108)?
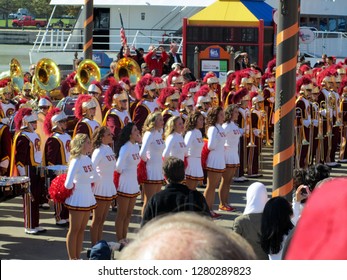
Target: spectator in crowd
(248, 225)
(173, 55)
(321, 232)
(187, 236)
(155, 59)
(144, 69)
(176, 197)
(276, 224)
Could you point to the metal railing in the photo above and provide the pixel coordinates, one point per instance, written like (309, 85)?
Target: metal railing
(331, 43)
(67, 40)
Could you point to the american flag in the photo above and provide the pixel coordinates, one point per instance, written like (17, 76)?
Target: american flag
(123, 38)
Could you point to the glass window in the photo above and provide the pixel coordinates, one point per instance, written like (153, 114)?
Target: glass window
(332, 24)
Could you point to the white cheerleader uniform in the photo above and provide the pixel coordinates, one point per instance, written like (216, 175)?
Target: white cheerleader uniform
(104, 161)
(233, 134)
(194, 142)
(151, 152)
(216, 140)
(80, 176)
(175, 147)
(126, 166)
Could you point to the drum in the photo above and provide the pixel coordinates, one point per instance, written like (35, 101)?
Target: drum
(13, 186)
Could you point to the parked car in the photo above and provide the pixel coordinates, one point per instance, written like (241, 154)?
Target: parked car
(15, 15)
(67, 16)
(28, 21)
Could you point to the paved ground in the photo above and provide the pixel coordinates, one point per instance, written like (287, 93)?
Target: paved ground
(15, 244)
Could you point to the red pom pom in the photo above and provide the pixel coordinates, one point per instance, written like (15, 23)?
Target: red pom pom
(185, 162)
(57, 190)
(116, 176)
(204, 154)
(141, 172)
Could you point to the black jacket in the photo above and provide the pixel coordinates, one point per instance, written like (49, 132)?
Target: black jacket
(175, 198)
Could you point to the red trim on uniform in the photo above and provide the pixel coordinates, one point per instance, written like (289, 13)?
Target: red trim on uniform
(215, 170)
(232, 165)
(194, 178)
(81, 208)
(128, 195)
(153, 182)
(105, 198)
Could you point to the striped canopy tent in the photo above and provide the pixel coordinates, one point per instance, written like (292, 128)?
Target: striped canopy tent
(234, 13)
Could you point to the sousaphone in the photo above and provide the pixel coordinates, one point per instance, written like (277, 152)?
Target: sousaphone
(128, 67)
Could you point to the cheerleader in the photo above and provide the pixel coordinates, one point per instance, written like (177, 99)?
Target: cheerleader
(57, 152)
(151, 152)
(26, 161)
(194, 142)
(85, 109)
(80, 177)
(127, 154)
(215, 159)
(104, 162)
(232, 160)
(174, 142)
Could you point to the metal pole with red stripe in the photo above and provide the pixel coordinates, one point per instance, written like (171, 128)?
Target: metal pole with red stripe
(286, 60)
(88, 29)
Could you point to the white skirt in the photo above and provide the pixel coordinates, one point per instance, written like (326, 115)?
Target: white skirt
(82, 198)
(194, 169)
(154, 172)
(215, 161)
(105, 190)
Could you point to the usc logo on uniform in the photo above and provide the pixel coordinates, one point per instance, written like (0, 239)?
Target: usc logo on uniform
(182, 145)
(126, 120)
(111, 157)
(200, 140)
(136, 156)
(88, 168)
(67, 145)
(9, 112)
(160, 141)
(37, 144)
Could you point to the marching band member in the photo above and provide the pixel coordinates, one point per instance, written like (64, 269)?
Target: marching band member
(174, 142)
(57, 152)
(241, 97)
(5, 149)
(257, 121)
(232, 160)
(203, 100)
(175, 79)
(151, 153)
(44, 105)
(85, 111)
(80, 177)
(7, 106)
(104, 162)
(214, 88)
(168, 102)
(343, 108)
(186, 101)
(145, 93)
(127, 154)
(26, 160)
(194, 142)
(117, 116)
(215, 159)
(269, 99)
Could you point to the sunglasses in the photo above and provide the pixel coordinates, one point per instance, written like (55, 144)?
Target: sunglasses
(125, 100)
(44, 107)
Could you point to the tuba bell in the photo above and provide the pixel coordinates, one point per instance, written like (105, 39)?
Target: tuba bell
(127, 67)
(87, 72)
(46, 77)
(16, 75)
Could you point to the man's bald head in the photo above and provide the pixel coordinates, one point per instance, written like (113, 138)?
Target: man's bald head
(187, 236)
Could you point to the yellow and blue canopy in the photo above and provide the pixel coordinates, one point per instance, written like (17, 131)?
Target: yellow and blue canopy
(234, 13)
